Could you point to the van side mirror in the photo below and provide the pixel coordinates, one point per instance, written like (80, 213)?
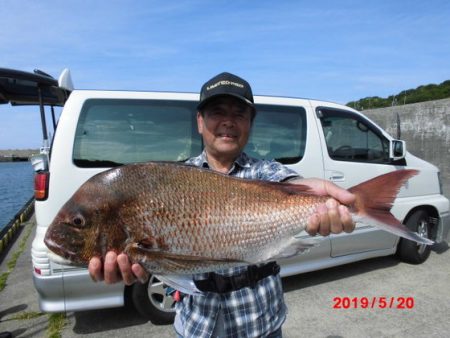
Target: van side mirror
(397, 149)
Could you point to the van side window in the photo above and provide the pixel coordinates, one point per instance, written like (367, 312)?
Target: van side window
(351, 138)
(118, 131)
(278, 132)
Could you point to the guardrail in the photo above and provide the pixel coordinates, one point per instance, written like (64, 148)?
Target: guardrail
(7, 234)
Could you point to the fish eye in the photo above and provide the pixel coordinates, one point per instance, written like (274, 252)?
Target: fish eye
(78, 221)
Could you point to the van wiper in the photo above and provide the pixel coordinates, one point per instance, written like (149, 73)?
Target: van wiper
(289, 160)
(84, 163)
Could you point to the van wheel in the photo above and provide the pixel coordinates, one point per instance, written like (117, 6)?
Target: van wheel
(152, 302)
(410, 251)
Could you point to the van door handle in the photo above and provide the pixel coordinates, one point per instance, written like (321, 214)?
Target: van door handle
(336, 176)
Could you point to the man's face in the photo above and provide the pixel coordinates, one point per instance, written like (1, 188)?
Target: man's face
(225, 126)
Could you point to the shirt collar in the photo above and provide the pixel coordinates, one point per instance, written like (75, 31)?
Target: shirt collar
(242, 161)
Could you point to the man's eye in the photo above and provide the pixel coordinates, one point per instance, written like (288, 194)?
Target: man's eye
(216, 113)
(242, 115)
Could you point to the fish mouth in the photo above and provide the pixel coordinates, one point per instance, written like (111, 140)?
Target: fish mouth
(59, 254)
(58, 251)
(54, 257)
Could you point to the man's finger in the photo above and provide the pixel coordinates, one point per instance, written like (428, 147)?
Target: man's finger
(341, 195)
(110, 268)
(140, 273)
(313, 224)
(96, 269)
(324, 228)
(334, 216)
(125, 269)
(346, 219)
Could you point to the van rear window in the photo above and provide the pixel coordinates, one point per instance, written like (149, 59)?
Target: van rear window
(119, 131)
(112, 132)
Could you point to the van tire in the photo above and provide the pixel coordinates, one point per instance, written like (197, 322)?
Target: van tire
(410, 251)
(151, 301)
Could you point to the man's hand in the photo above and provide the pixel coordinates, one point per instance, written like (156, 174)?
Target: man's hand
(116, 268)
(332, 216)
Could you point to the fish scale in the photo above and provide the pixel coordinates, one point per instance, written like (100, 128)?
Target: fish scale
(175, 218)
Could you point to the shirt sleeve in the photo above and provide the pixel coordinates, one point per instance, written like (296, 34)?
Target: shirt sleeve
(276, 172)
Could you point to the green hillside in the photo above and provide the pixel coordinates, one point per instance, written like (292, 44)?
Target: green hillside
(420, 94)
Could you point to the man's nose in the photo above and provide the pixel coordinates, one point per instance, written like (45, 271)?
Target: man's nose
(228, 121)
(229, 118)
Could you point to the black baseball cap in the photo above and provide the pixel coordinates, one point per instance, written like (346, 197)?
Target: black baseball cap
(226, 84)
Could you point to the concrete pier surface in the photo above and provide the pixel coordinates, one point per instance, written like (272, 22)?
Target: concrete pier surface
(18, 300)
(326, 303)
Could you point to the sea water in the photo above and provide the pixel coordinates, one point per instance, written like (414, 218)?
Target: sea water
(16, 188)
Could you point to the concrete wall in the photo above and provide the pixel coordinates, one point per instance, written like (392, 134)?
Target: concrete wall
(425, 127)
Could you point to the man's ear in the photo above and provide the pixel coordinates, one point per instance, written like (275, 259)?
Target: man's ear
(200, 123)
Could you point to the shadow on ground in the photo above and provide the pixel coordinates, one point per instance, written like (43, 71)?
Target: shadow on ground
(87, 322)
(305, 280)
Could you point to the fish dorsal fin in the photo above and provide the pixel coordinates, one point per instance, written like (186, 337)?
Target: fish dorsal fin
(290, 188)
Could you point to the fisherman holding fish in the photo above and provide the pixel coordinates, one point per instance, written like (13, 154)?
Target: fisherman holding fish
(239, 301)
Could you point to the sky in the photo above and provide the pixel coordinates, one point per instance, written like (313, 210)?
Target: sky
(331, 50)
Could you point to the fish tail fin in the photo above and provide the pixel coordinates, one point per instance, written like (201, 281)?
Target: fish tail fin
(374, 200)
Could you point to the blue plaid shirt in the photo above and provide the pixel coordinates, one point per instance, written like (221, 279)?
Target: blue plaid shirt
(248, 312)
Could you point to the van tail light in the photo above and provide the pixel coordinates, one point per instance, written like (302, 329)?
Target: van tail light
(41, 179)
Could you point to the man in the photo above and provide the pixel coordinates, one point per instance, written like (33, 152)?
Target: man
(238, 302)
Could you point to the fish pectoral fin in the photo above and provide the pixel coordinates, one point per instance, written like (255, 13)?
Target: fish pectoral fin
(296, 246)
(192, 258)
(147, 243)
(182, 283)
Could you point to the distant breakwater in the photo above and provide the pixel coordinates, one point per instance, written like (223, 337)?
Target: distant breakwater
(17, 155)
(13, 159)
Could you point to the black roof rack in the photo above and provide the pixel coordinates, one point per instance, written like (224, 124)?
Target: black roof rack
(24, 88)
(38, 88)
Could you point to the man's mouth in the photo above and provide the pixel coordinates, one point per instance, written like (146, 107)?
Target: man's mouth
(227, 136)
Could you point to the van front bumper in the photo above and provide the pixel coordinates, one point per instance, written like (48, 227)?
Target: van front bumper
(443, 234)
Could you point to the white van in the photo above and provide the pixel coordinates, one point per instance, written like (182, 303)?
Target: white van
(98, 130)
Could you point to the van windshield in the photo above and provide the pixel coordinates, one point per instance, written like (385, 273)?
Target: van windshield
(112, 132)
